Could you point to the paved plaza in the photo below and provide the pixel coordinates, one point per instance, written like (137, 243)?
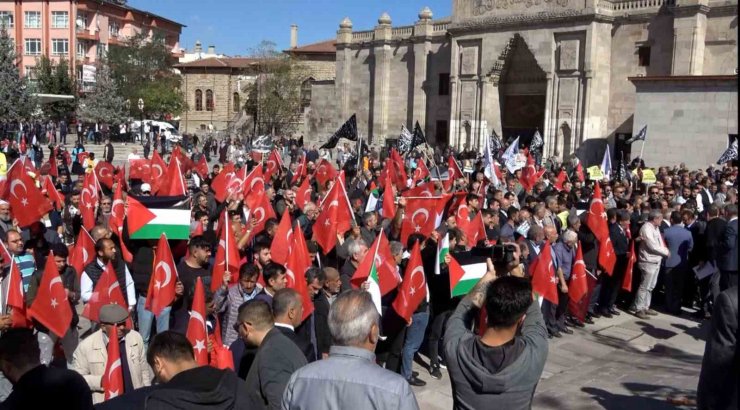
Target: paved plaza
(618, 363)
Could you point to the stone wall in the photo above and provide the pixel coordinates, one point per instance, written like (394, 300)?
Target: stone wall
(720, 54)
(223, 86)
(320, 116)
(688, 119)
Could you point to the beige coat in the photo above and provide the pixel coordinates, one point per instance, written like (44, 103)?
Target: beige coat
(92, 354)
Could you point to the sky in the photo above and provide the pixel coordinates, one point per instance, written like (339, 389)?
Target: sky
(236, 26)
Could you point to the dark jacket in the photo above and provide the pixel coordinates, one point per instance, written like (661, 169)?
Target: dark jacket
(720, 366)
(474, 385)
(277, 358)
(321, 323)
(305, 345)
(590, 247)
(619, 240)
(94, 271)
(727, 260)
(713, 234)
(49, 388)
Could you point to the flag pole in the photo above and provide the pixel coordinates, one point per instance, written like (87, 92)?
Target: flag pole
(359, 152)
(642, 148)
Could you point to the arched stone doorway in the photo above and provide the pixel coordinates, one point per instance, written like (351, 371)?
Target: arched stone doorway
(522, 85)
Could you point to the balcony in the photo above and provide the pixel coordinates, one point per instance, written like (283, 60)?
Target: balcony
(84, 34)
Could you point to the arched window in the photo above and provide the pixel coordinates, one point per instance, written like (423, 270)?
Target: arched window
(237, 107)
(306, 92)
(209, 100)
(198, 100)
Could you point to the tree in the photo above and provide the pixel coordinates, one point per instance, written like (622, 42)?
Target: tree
(142, 67)
(274, 99)
(56, 78)
(105, 103)
(16, 101)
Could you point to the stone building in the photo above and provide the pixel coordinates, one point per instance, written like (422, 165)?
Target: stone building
(582, 72)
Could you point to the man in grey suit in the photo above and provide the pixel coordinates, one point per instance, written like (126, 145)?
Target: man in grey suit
(727, 258)
(277, 356)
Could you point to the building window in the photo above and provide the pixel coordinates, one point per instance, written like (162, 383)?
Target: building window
(59, 19)
(237, 106)
(209, 100)
(202, 127)
(59, 46)
(33, 19)
(81, 21)
(114, 28)
(30, 73)
(82, 47)
(643, 56)
(198, 100)
(444, 84)
(102, 50)
(306, 92)
(33, 46)
(6, 19)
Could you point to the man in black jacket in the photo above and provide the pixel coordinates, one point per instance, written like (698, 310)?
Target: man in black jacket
(184, 384)
(287, 310)
(108, 151)
(619, 222)
(277, 356)
(36, 386)
(322, 302)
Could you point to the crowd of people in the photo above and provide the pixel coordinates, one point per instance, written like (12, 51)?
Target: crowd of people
(340, 332)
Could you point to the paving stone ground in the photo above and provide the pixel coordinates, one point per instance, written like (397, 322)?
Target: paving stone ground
(617, 363)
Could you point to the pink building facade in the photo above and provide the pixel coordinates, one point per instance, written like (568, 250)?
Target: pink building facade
(79, 30)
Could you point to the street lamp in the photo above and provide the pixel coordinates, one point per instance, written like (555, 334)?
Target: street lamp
(127, 104)
(141, 123)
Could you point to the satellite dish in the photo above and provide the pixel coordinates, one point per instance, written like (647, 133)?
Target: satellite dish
(80, 23)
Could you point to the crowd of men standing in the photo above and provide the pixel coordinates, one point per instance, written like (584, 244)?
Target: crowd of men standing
(352, 349)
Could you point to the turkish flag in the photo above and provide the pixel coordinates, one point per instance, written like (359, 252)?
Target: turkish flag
(462, 220)
(112, 381)
(221, 181)
(159, 173)
(161, 292)
(543, 276)
(303, 195)
(118, 211)
(104, 173)
(596, 217)
(227, 255)
(197, 333)
(562, 177)
(51, 191)
(107, 291)
(27, 202)
(254, 186)
(82, 253)
(400, 179)
(579, 173)
(16, 298)
(4, 254)
(298, 262)
(273, 165)
(88, 201)
(51, 307)
(412, 291)
(578, 285)
(420, 217)
(174, 183)
(627, 281)
(453, 172)
(334, 219)
(185, 162)
(385, 266)
(426, 189)
(281, 245)
(476, 230)
(421, 172)
(29, 165)
(529, 175)
(389, 205)
(53, 171)
(300, 171)
(325, 172)
(119, 176)
(260, 212)
(140, 169)
(607, 257)
(202, 167)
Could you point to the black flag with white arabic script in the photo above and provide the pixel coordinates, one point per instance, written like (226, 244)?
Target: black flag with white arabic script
(348, 130)
(730, 154)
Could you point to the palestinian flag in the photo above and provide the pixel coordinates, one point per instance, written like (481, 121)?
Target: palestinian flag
(148, 217)
(443, 248)
(465, 271)
(368, 268)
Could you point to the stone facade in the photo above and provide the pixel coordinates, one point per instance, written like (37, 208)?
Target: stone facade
(514, 67)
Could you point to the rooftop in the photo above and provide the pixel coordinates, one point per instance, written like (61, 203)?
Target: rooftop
(221, 62)
(322, 47)
(122, 4)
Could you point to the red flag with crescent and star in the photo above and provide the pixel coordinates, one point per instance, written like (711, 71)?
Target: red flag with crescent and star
(16, 298)
(335, 218)
(385, 266)
(107, 291)
(543, 276)
(161, 292)
(325, 172)
(51, 191)
(140, 168)
(420, 216)
(112, 381)
(578, 285)
(298, 262)
(421, 172)
(273, 165)
(227, 255)
(254, 186)
(300, 171)
(303, 195)
(104, 172)
(201, 167)
(197, 332)
(53, 170)
(283, 241)
(158, 171)
(27, 202)
(51, 308)
(453, 172)
(88, 201)
(413, 289)
(83, 252)
(389, 200)
(118, 211)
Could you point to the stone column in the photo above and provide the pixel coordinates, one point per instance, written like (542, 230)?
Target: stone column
(689, 33)
(382, 54)
(484, 87)
(549, 133)
(344, 69)
(422, 47)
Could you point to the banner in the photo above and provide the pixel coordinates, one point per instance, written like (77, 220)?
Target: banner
(88, 73)
(594, 173)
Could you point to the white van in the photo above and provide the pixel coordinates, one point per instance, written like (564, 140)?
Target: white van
(171, 133)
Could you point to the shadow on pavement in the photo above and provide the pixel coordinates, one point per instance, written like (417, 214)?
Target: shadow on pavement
(645, 397)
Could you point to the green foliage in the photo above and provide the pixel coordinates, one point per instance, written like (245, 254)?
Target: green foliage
(56, 78)
(16, 101)
(104, 104)
(142, 68)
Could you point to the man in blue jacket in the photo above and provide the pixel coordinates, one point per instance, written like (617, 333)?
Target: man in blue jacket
(676, 266)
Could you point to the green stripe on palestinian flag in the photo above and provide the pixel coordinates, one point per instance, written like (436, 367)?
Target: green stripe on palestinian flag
(374, 283)
(443, 248)
(464, 277)
(149, 217)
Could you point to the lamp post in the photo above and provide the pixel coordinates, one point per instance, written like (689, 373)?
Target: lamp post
(125, 138)
(141, 123)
